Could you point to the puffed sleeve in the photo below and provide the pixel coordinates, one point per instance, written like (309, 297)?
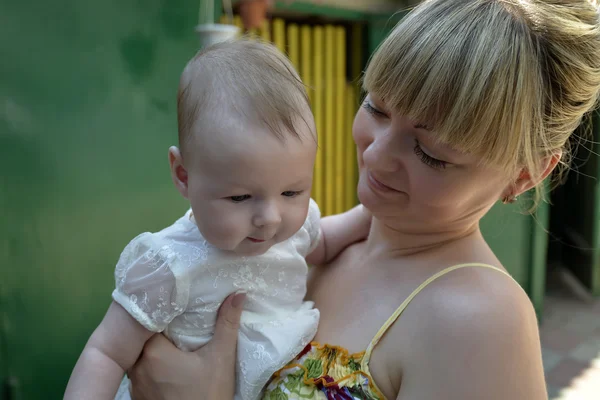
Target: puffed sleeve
(146, 285)
(313, 225)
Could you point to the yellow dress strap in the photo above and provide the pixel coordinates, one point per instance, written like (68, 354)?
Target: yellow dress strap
(399, 310)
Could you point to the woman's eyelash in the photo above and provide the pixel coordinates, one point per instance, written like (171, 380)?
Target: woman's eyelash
(427, 159)
(372, 110)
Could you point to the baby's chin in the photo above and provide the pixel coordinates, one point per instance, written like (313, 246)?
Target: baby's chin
(246, 247)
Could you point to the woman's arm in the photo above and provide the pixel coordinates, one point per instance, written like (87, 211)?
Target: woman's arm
(164, 372)
(112, 349)
(339, 232)
(482, 343)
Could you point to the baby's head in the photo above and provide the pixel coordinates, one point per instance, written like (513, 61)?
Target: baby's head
(247, 146)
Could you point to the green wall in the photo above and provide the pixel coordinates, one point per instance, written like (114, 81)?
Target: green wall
(87, 112)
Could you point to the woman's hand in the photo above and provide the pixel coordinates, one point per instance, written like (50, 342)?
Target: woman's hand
(164, 372)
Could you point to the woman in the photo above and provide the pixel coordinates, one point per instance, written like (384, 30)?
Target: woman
(469, 102)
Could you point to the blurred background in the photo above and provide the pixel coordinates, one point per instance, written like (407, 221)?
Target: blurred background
(87, 113)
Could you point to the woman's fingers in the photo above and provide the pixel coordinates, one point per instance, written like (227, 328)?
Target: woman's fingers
(158, 359)
(164, 372)
(220, 353)
(159, 348)
(228, 323)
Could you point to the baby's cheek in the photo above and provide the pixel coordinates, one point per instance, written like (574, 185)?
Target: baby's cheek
(296, 219)
(214, 227)
(231, 226)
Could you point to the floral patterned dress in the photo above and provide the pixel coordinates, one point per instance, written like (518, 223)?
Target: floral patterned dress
(323, 372)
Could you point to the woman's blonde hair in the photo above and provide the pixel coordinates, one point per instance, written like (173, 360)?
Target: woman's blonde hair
(509, 80)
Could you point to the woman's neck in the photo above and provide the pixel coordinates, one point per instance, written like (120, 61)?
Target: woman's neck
(401, 242)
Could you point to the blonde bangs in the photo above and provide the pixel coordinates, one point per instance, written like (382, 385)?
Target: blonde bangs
(469, 75)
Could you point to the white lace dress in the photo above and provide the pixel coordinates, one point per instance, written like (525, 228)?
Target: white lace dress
(173, 282)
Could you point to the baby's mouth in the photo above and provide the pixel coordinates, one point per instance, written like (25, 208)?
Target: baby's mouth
(253, 240)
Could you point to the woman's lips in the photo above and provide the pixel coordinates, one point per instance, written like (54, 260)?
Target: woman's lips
(377, 185)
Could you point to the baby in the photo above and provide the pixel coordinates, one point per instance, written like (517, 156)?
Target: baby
(247, 145)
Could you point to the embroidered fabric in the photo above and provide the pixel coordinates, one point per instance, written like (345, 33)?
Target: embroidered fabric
(174, 282)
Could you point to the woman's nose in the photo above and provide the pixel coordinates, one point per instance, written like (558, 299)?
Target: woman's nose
(380, 154)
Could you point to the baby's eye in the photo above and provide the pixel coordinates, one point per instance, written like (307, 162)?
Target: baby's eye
(239, 199)
(291, 193)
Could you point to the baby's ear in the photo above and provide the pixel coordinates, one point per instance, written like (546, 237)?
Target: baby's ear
(179, 174)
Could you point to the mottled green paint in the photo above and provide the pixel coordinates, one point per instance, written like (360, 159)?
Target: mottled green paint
(87, 112)
(519, 241)
(314, 9)
(575, 228)
(538, 254)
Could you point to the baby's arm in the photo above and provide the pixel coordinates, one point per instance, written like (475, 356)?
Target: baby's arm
(338, 232)
(112, 349)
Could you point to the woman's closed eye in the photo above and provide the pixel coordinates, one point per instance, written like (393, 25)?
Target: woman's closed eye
(427, 159)
(372, 110)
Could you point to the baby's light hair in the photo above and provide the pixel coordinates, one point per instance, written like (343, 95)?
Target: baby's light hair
(244, 80)
(508, 80)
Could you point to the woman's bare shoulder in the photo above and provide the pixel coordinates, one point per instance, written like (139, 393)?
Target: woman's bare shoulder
(476, 299)
(474, 335)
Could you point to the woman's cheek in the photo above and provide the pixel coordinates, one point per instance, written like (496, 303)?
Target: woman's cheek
(429, 186)
(360, 131)
(361, 139)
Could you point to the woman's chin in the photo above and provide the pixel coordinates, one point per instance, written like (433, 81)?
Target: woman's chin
(367, 198)
(374, 201)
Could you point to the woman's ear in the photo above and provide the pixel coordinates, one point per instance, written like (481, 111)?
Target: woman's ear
(179, 174)
(526, 182)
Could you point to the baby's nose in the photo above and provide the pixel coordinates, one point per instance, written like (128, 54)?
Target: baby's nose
(268, 215)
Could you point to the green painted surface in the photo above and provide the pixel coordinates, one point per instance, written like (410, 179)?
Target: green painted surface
(576, 214)
(538, 252)
(87, 112)
(380, 27)
(520, 242)
(313, 9)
